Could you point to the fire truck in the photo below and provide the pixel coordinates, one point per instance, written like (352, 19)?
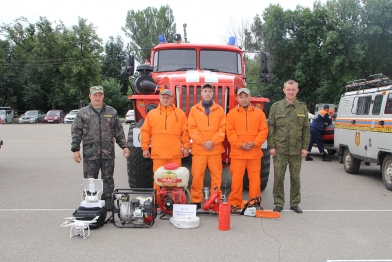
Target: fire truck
(184, 68)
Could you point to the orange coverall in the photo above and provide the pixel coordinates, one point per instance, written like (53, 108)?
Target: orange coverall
(202, 128)
(165, 129)
(243, 126)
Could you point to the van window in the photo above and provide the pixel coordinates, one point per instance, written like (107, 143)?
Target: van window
(364, 103)
(377, 105)
(388, 105)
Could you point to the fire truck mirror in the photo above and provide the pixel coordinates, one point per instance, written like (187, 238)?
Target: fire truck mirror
(129, 68)
(265, 67)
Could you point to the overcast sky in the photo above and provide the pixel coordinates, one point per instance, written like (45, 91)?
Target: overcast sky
(208, 21)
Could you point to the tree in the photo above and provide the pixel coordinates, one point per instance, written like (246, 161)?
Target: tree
(20, 40)
(113, 60)
(83, 68)
(114, 96)
(144, 27)
(43, 68)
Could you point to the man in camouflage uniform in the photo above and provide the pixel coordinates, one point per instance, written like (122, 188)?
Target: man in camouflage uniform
(288, 138)
(99, 127)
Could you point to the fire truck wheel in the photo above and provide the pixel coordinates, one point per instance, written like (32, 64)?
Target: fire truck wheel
(265, 171)
(387, 172)
(139, 169)
(351, 165)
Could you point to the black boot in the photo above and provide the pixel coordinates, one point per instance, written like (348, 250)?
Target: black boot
(308, 158)
(326, 157)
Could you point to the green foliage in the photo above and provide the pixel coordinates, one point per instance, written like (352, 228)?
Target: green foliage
(113, 60)
(323, 48)
(144, 27)
(114, 96)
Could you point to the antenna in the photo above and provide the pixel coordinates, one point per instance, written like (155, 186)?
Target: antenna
(185, 37)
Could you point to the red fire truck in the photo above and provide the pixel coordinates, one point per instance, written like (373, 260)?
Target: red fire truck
(184, 68)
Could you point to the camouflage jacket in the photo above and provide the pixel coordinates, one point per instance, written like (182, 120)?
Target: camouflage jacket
(288, 127)
(98, 131)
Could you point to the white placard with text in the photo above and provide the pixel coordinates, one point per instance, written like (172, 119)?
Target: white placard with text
(184, 210)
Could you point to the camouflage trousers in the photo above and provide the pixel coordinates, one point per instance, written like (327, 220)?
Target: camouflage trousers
(91, 169)
(280, 166)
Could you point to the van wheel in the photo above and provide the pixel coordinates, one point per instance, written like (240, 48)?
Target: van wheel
(387, 172)
(351, 165)
(140, 173)
(331, 152)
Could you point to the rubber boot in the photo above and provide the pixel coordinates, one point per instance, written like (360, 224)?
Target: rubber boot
(308, 158)
(326, 157)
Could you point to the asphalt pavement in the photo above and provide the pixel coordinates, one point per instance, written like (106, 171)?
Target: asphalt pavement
(346, 217)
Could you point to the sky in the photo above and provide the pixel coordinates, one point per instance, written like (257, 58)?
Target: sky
(208, 21)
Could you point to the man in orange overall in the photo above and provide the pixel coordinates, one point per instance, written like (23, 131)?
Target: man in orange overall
(247, 130)
(166, 130)
(206, 126)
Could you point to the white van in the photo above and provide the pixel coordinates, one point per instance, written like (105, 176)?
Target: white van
(363, 126)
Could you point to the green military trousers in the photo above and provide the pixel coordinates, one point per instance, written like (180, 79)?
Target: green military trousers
(280, 166)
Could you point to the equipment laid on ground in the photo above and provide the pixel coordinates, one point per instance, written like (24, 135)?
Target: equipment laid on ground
(252, 208)
(78, 227)
(173, 181)
(185, 221)
(92, 206)
(92, 211)
(134, 207)
(211, 204)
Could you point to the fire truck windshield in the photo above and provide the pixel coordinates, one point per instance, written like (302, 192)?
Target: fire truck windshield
(175, 60)
(220, 61)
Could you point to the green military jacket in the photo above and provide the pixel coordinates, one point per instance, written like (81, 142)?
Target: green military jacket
(98, 132)
(288, 127)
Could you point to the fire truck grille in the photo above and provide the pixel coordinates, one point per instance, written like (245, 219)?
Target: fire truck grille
(189, 95)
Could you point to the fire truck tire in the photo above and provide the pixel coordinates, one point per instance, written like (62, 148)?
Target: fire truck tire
(351, 165)
(139, 169)
(265, 171)
(387, 172)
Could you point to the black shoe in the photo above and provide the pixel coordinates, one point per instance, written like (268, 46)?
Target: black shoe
(296, 209)
(326, 157)
(308, 158)
(198, 205)
(277, 209)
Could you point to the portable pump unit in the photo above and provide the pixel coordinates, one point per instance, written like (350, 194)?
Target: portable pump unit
(134, 207)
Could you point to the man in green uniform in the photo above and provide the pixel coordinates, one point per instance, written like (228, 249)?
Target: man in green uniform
(288, 138)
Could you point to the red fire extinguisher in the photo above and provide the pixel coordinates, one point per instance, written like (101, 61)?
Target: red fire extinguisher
(224, 216)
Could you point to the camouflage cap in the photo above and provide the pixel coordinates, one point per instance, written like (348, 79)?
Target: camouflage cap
(243, 90)
(166, 92)
(96, 89)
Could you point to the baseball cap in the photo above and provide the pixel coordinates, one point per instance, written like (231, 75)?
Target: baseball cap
(207, 85)
(326, 106)
(96, 89)
(245, 90)
(166, 92)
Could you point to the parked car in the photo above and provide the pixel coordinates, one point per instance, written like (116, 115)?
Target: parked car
(54, 116)
(6, 114)
(69, 118)
(32, 116)
(130, 116)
